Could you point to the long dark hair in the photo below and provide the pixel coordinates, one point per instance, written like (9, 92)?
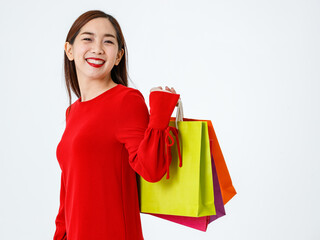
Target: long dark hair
(119, 72)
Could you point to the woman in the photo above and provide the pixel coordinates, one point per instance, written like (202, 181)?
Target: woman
(109, 136)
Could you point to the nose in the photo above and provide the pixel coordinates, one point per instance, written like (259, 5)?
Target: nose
(96, 48)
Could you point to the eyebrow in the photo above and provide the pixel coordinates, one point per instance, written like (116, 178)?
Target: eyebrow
(105, 35)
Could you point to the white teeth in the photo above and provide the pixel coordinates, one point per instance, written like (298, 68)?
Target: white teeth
(95, 61)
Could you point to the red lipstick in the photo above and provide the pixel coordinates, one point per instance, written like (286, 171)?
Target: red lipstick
(95, 65)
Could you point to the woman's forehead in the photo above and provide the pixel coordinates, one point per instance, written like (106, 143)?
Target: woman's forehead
(97, 27)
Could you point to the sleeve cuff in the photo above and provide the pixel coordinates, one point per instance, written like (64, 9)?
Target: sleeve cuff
(162, 105)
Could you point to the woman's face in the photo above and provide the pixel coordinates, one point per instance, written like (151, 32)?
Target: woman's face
(96, 39)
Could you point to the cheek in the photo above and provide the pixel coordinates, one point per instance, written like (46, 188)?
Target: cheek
(81, 51)
(112, 52)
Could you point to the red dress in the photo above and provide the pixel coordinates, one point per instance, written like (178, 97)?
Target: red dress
(107, 140)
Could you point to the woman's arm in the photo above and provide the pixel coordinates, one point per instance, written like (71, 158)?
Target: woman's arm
(143, 134)
(60, 232)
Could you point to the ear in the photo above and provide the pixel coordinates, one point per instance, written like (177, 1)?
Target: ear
(119, 56)
(68, 50)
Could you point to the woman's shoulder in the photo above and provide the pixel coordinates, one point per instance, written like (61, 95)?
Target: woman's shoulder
(130, 93)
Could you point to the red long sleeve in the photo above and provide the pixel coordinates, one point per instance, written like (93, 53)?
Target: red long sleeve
(107, 140)
(60, 233)
(143, 138)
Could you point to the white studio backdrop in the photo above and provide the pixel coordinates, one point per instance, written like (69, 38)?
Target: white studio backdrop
(252, 67)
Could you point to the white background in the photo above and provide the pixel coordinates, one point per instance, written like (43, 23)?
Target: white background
(252, 67)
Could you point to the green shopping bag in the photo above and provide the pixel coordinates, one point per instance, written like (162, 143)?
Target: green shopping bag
(189, 190)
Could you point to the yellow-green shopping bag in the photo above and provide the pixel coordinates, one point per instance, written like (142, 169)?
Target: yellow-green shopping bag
(189, 190)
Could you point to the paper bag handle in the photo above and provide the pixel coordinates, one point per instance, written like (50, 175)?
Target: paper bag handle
(179, 114)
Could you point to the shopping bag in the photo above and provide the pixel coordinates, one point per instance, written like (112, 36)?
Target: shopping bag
(201, 223)
(189, 190)
(227, 189)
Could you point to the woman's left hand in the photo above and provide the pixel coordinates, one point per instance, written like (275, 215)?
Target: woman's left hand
(167, 89)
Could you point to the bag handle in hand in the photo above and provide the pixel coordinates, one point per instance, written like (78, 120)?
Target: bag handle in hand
(179, 114)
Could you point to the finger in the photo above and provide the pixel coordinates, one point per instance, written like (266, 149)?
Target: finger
(167, 89)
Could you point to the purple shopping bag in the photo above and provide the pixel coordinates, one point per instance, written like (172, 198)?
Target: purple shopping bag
(201, 223)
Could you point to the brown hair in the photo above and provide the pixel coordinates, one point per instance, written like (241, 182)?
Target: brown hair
(118, 73)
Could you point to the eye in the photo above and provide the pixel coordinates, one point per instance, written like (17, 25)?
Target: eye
(108, 41)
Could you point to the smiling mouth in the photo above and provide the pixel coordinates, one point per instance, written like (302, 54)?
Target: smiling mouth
(95, 63)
